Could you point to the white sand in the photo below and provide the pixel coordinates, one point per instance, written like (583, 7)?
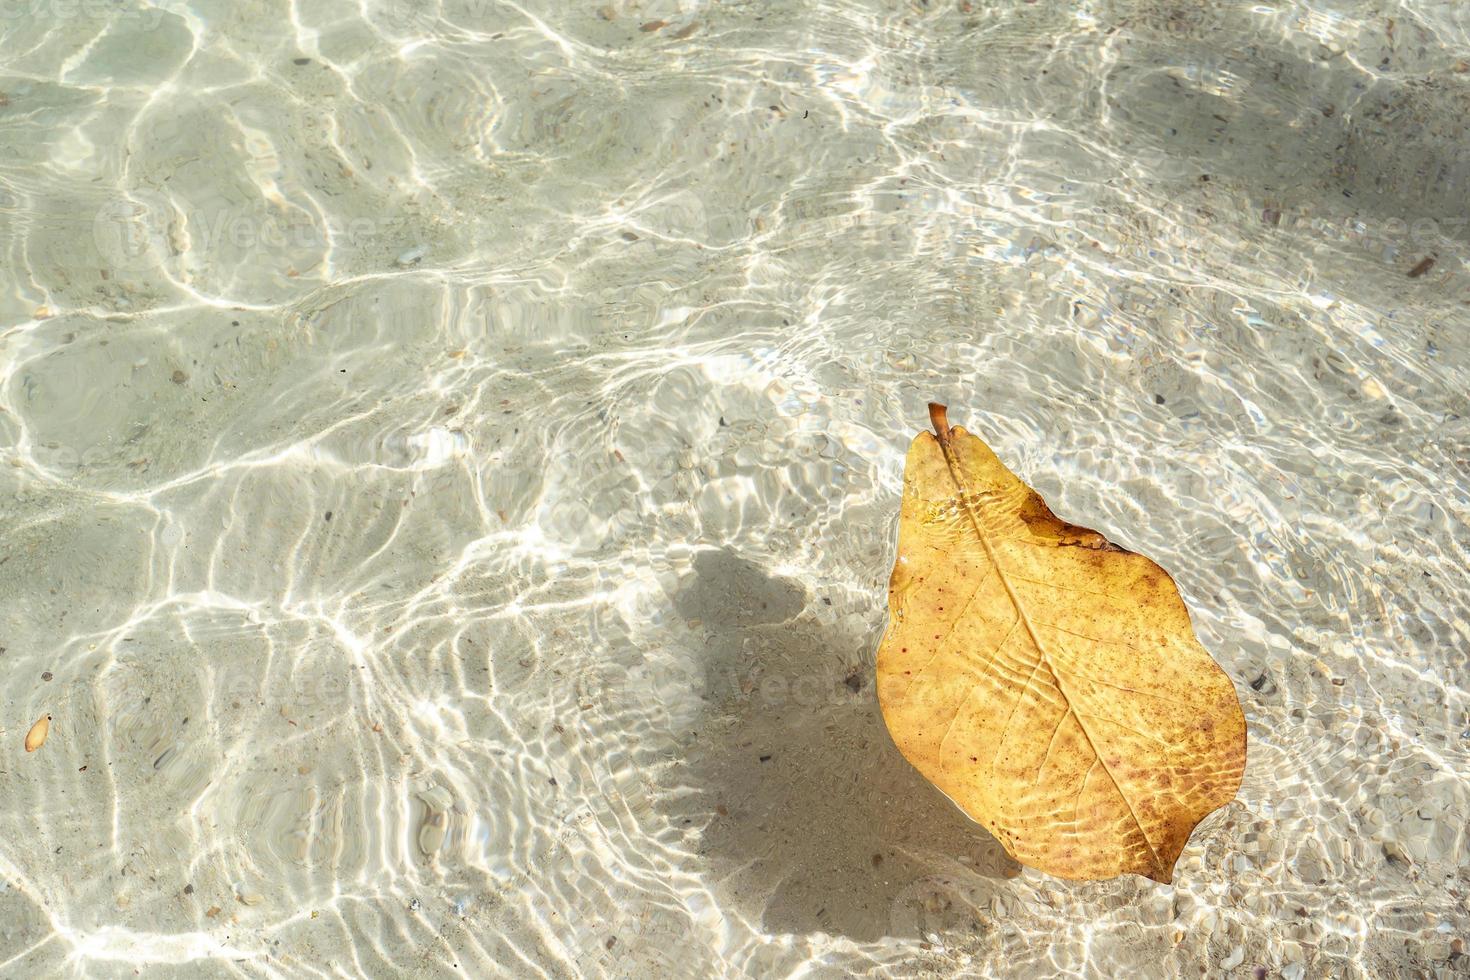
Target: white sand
(601, 347)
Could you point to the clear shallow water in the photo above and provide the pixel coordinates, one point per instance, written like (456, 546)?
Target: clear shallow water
(453, 453)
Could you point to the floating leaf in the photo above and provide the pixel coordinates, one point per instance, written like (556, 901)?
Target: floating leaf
(1047, 680)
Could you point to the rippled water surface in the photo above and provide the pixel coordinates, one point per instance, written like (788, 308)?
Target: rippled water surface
(452, 452)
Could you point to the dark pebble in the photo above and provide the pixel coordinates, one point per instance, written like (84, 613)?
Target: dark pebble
(1425, 264)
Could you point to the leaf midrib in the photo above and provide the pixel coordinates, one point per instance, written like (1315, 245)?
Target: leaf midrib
(951, 461)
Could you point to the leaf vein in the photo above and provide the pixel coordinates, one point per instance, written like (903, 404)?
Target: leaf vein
(960, 708)
(1043, 655)
(1050, 744)
(939, 644)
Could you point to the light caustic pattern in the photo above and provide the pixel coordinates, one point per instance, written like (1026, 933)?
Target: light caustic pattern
(452, 452)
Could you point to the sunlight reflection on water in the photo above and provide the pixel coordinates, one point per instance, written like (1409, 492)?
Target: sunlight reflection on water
(454, 455)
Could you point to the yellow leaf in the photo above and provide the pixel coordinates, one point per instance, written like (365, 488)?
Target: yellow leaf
(1046, 680)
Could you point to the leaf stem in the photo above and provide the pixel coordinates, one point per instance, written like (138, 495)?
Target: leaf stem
(940, 422)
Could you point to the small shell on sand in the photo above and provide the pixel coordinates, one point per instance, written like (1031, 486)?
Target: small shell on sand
(36, 737)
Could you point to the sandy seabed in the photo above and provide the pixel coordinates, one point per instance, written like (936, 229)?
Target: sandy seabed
(452, 457)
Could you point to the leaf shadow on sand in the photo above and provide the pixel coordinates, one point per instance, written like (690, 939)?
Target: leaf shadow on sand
(811, 820)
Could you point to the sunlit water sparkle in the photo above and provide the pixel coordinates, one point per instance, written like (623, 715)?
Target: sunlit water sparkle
(452, 456)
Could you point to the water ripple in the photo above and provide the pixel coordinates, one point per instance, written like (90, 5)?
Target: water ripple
(452, 454)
